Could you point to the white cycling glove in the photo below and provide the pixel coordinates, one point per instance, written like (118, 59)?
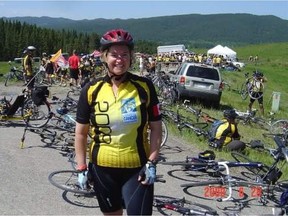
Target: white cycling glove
(82, 179)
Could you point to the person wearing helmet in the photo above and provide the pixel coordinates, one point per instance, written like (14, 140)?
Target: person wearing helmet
(256, 83)
(44, 59)
(120, 107)
(28, 67)
(227, 135)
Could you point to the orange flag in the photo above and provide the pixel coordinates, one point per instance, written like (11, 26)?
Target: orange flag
(56, 56)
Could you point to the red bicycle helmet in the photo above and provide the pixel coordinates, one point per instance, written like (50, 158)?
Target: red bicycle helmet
(116, 36)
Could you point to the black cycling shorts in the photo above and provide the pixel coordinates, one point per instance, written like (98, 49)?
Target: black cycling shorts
(118, 188)
(256, 94)
(30, 80)
(74, 73)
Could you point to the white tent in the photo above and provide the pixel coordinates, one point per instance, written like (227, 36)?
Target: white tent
(230, 53)
(226, 52)
(217, 50)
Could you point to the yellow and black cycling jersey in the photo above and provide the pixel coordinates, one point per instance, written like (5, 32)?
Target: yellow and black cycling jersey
(226, 132)
(256, 85)
(27, 65)
(119, 123)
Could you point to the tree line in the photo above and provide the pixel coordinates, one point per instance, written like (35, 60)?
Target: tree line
(16, 36)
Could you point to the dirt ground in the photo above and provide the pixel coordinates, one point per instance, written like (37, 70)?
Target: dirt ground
(25, 189)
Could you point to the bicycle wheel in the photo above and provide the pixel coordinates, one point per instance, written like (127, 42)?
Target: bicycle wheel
(63, 124)
(279, 127)
(169, 115)
(164, 134)
(259, 87)
(244, 91)
(9, 77)
(169, 205)
(35, 116)
(39, 77)
(67, 180)
(259, 171)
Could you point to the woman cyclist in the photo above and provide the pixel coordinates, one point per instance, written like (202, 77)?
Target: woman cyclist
(119, 107)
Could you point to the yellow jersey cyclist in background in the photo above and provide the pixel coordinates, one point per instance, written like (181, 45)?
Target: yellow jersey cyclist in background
(120, 106)
(28, 67)
(227, 135)
(257, 90)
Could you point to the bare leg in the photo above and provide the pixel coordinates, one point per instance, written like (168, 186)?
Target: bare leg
(261, 107)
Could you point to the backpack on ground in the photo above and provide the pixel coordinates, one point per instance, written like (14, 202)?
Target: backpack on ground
(40, 94)
(213, 129)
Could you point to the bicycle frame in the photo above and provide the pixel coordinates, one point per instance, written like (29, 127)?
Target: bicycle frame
(198, 113)
(227, 179)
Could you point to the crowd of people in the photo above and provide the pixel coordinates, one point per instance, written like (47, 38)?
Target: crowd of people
(74, 69)
(149, 63)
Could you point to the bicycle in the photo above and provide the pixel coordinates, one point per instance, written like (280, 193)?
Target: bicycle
(271, 124)
(26, 108)
(197, 128)
(64, 119)
(15, 74)
(69, 101)
(265, 184)
(198, 113)
(269, 174)
(67, 180)
(252, 87)
(183, 122)
(168, 205)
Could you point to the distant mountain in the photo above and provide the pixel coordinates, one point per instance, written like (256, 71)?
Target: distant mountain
(191, 28)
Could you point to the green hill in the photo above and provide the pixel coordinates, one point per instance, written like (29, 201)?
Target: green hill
(201, 30)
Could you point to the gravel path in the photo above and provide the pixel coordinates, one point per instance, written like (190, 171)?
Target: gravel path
(25, 189)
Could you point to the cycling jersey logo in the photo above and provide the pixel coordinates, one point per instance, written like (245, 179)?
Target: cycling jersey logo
(128, 110)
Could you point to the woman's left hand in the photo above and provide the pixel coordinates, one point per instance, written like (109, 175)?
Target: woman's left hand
(147, 175)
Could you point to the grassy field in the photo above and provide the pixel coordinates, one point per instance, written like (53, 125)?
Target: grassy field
(273, 63)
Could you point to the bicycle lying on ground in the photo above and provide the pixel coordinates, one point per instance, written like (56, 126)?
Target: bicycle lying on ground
(271, 124)
(265, 184)
(63, 120)
(198, 113)
(35, 113)
(169, 205)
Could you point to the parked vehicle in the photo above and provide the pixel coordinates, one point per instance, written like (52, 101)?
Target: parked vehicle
(237, 64)
(195, 80)
(179, 48)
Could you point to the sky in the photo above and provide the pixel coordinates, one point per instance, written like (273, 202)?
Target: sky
(78, 10)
